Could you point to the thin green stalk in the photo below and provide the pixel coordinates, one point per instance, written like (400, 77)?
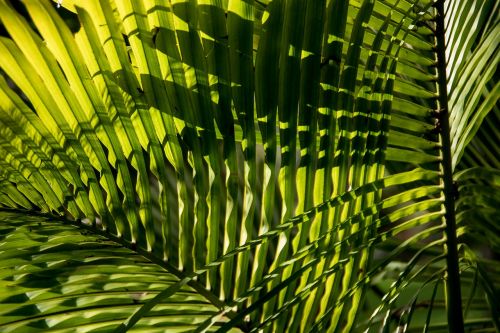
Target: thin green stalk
(453, 292)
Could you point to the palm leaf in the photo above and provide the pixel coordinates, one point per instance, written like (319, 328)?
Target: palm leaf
(275, 166)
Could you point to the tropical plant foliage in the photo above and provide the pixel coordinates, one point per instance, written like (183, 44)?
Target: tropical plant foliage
(244, 165)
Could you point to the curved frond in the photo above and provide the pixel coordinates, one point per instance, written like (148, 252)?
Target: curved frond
(276, 166)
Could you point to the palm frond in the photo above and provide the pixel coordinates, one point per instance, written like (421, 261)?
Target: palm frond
(258, 165)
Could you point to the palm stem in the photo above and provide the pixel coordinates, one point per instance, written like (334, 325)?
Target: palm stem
(453, 292)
